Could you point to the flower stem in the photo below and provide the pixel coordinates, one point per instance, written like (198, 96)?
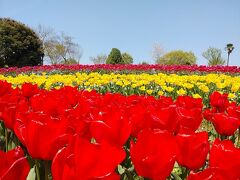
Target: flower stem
(185, 172)
(222, 137)
(6, 139)
(46, 169)
(37, 170)
(129, 175)
(238, 141)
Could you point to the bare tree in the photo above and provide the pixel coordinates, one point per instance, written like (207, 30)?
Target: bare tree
(67, 49)
(50, 52)
(58, 49)
(45, 33)
(99, 59)
(49, 39)
(157, 52)
(214, 56)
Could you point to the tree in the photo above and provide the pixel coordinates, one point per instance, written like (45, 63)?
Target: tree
(157, 52)
(99, 59)
(229, 49)
(49, 39)
(115, 57)
(51, 54)
(46, 33)
(214, 56)
(143, 63)
(127, 58)
(67, 49)
(178, 57)
(19, 45)
(59, 49)
(70, 61)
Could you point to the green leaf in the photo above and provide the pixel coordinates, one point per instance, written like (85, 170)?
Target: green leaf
(11, 145)
(31, 174)
(176, 177)
(121, 170)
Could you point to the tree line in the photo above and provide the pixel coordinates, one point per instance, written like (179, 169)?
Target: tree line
(22, 46)
(176, 57)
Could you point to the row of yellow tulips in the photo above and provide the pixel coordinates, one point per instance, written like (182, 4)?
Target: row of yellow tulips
(151, 84)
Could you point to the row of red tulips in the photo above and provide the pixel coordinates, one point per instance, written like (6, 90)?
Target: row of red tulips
(129, 67)
(85, 135)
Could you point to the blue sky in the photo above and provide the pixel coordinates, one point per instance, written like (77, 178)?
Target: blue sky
(134, 26)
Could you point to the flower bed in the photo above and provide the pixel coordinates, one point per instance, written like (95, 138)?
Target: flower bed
(124, 68)
(156, 85)
(70, 134)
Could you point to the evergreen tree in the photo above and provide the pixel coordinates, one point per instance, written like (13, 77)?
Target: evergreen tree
(127, 58)
(115, 57)
(19, 45)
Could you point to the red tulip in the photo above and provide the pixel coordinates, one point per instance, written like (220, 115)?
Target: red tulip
(113, 127)
(8, 115)
(149, 112)
(55, 102)
(190, 147)
(78, 122)
(208, 114)
(225, 156)
(209, 174)
(129, 67)
(13, 165)
(189, 119)
(10, 106)
(49, 103)
(42, 135)
(189, 114)
(28, 89)
(189, 102)
(154, 154)
(164, 118)
(225, 124)
(70, 95)
(139, 120)
(83, 160)
(219, 101)
(165, 100)
(233, 110)
(5, 88)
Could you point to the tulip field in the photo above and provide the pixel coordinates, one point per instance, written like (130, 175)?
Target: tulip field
(112, 122)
